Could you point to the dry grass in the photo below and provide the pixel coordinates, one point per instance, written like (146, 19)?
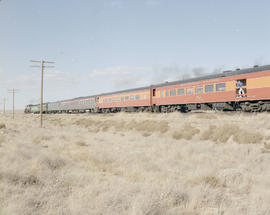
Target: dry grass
(222, 133)
(187, 132)
(2, 125)
(135, 164)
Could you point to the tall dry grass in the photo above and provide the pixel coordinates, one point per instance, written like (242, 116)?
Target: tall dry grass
(137, 164)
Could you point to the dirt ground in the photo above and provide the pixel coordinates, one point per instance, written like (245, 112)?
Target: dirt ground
(135, 164)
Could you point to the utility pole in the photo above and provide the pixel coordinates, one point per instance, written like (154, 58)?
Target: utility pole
(42, 66)
(4, 105)
(13, 91)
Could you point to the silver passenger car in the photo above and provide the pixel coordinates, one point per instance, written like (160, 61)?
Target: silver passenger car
(81, 104)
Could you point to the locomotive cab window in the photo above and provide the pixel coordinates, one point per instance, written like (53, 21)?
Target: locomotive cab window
(220, 87)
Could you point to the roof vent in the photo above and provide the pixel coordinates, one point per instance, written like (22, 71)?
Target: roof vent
(238, 69)
(256, 66)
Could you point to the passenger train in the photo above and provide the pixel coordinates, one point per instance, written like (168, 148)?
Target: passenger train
(239, 90)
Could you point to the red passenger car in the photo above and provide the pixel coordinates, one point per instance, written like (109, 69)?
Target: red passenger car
(247, 89)
(127, 100)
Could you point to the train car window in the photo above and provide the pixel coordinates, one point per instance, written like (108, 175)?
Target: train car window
(137, 97)
(199, 90)
(241, 83)
(161, 93)
(131, 97)
(126, 98)
(180, 91)
(167, 93)
(209, 88)
(110, 100)
(220, 87)
(122, 99)
(189, 91)
(172, 92)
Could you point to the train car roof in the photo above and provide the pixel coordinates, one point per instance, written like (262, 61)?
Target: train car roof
(125, 91)
(102, 94)
(227, 73)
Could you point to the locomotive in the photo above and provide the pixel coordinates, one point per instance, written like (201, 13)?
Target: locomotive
(245, 90)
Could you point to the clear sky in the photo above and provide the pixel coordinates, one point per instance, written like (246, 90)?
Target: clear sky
(107, 45)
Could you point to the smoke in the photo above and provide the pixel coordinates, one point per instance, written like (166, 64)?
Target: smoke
(173, 73)
(144, 77)
(260, 61)
(199, 71)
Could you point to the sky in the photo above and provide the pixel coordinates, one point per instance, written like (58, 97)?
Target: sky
(106, 45)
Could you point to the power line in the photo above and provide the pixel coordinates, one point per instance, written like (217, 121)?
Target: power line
(13, 91)
(42, 66)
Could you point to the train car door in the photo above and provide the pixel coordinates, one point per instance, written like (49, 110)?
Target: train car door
(241, 88)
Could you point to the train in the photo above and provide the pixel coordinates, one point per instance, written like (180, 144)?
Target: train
(246, 90)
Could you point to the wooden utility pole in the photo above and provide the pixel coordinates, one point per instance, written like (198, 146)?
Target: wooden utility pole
(42, 66)
(13, 91)
(4, 105)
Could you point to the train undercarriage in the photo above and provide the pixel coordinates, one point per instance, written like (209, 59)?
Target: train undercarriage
(244, 106)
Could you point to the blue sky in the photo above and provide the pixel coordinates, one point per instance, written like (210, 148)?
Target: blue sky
(106, 45)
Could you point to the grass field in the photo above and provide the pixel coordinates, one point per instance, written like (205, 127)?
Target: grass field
(135, 164)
